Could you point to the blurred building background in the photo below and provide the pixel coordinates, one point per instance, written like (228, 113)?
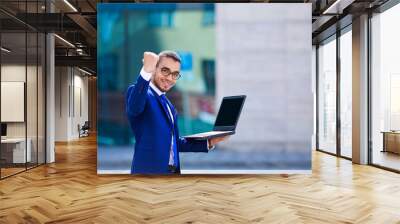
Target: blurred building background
(216, 61)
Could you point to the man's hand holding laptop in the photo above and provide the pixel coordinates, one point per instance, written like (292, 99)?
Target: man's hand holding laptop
(213, 141)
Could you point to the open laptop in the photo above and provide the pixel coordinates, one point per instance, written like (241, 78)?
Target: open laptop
(227, 118)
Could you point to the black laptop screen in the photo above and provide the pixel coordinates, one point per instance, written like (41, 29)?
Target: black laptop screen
(229, 112)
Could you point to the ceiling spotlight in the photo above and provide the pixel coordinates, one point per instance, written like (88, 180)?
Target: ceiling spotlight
(84, 71)
(5, 50)
(65, 41)
(337, 7)
(70, 5)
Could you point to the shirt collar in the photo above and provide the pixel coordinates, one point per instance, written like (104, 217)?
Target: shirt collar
(154, 87)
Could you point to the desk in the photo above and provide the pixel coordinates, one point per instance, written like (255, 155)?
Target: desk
(391, 141)
(16, 147)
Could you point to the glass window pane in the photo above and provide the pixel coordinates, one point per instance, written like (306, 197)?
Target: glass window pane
(22, 88)
(31, 87)
(13, 86)
(327, 96)
(346, 93)
(386, 89)
(41, 98)
(31, 97)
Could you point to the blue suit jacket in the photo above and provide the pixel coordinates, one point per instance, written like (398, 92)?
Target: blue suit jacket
(153, 130)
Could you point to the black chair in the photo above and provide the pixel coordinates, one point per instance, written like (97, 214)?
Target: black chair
(84, 130)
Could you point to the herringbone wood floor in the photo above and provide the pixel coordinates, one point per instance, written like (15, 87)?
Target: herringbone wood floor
(69, 191)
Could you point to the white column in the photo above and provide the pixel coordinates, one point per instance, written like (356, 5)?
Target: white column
(50, 109)
(360, 90)
(50, 92)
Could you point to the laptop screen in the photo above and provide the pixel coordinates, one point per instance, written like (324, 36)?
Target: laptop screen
(229, 111)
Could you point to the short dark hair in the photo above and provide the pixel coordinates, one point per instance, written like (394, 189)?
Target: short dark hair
(169, 54)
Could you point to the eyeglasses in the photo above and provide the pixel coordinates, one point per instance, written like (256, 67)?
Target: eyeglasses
(166, 72)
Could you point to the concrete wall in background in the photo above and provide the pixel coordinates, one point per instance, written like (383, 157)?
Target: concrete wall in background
(265, 53)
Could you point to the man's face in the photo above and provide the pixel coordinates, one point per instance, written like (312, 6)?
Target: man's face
(166, 66)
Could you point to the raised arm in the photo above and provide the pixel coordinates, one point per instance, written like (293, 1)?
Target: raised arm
(136, 94)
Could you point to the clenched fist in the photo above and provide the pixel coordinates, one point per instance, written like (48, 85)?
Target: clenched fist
(149, 61)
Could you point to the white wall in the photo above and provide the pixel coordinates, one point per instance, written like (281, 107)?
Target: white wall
(71, 93)
(12, 73)
(80, 100)
(33, 126)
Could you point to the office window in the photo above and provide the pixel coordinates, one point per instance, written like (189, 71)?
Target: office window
(346, 93)
(385, 87)
(327, 95)
(14, 151)
(31, 99)
(23, 89)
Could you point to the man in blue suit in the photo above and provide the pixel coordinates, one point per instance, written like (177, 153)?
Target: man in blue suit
(153, 118)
